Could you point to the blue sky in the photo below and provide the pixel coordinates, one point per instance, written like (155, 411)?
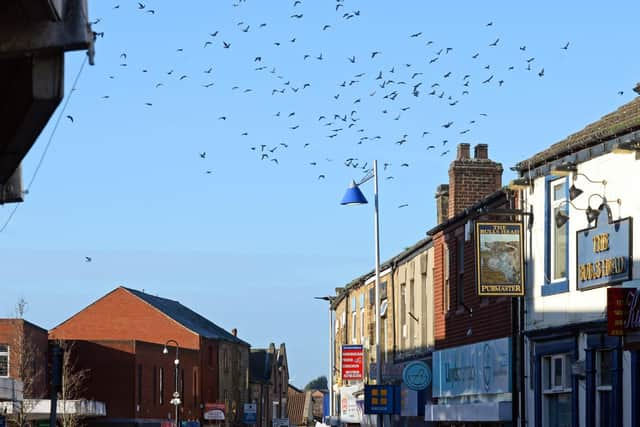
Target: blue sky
(252, 242)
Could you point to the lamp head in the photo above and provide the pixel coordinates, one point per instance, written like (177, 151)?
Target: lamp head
(574, 192)
(561, 218)
(353, 196)
(165, 350)
(592, 214)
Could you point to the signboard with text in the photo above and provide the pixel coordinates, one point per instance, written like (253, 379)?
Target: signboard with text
(352, 362)
(214, 411)
(499, 259)
(473, 369)
(623, 310)
(603, 252)
(250, 413)
(378, 399)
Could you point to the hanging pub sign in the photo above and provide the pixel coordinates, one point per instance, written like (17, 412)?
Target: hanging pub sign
(603, 252)
(499, 259)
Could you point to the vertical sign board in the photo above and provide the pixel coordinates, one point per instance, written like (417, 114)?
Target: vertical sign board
(499, 259)
(603, 252)
(352, 362)
(623, 310)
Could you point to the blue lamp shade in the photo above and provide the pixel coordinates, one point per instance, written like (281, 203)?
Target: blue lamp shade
(353, 196)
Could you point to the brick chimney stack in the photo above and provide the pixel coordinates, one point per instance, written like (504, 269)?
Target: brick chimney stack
(442, 203)
(471, 179)
(234, 332)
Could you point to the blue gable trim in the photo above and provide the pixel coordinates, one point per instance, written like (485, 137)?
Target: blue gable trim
(549, 287)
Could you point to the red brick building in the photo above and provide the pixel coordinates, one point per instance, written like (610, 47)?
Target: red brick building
(120, 338)
(464, 321)
(23, 355)
(269, 383)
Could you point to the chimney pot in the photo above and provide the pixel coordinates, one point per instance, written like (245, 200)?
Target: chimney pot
(234, 332)
(481, 151)
(637, 88)
(463, 151)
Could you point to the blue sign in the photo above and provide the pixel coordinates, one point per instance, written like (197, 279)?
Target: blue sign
(474, 369)
(604, 252)
(250, 413)
(416, 375)
(379, 399)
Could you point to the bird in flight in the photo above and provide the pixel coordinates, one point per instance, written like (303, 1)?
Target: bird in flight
(566, 46)
(226, 45)
(541, 73)
(416, 35)
(352, 59)
(489, 24)
(297, 15)
(88, 259)
(326, 27)
(447, 125)
(404, 205)
(203, 154)
(70, 118)
(495, 43)
(374, 53)
(489, 79)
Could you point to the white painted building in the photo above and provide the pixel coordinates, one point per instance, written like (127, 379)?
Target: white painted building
(576, 372)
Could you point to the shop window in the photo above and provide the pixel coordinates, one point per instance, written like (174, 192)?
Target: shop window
(354, 324)
(604, 372)
(556, 389)
(557, 239)
(403, 314)
(4, 360)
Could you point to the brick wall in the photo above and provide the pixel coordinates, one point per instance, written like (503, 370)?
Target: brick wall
(28, 341)
(120, 315)
(113, 377)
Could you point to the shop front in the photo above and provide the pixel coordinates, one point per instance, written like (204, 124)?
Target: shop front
(472, 384)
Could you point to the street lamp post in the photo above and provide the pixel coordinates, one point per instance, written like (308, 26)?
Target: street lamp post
(331, 355)
(176, 394)
(354, 196)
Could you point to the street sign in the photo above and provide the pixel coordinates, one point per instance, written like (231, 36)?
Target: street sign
(416, 375)
(250, 413)
(378, 399)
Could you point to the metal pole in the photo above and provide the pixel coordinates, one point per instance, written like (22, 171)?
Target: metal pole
(331, 361)
(377, 284)
(177, 394)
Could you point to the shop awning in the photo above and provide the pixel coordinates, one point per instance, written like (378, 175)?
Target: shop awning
(478, 412)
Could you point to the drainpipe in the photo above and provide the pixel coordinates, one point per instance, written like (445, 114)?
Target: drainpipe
(394, 265)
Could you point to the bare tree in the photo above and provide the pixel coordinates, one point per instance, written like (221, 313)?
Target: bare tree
(28, 361)
(73, 384)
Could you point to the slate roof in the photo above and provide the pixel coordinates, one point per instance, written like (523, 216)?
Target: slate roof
(187, 317)
(260, 366)
(624, 120)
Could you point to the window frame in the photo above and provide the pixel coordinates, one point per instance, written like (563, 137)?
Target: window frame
(460, 270)
(6, 353)
(553, 286)
(446, 284)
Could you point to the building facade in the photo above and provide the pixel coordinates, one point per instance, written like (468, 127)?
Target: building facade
(269, 383)
(473, 334)
(582, 367)
(135, 327)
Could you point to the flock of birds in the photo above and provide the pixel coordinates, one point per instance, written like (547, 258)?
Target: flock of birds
(370, 89)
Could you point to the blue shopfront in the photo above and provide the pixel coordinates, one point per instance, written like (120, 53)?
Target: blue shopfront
(472, 384)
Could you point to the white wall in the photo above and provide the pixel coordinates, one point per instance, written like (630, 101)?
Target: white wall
(622, 172)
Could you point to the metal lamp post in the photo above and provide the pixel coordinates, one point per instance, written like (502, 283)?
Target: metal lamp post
(354, 196)
(331, 355)
(176, 395)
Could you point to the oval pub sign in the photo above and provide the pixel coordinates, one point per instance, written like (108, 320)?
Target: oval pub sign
(416, 375)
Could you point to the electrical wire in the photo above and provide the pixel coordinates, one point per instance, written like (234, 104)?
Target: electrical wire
(48, 144)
